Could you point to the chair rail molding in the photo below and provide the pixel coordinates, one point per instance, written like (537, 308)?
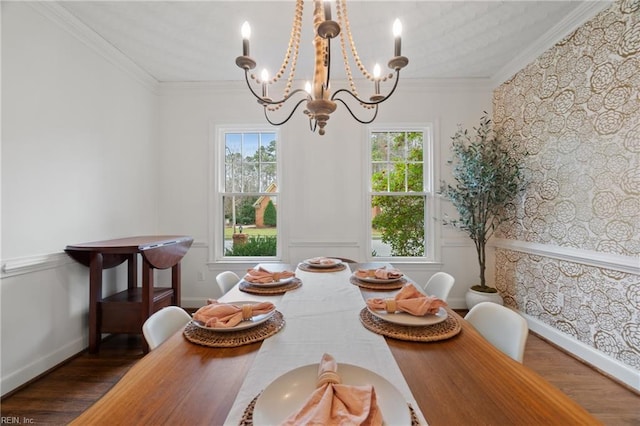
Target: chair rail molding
(613, 261)
(29, 264)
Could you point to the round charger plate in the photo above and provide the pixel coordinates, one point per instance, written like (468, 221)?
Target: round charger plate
(403, 318)
(271, 284)
(374, 280)
(441, 331)
(243, 325)
(212, 339)
(287, 394)
(262, 290)
(335, 268)
(394, 285)
(333, 263)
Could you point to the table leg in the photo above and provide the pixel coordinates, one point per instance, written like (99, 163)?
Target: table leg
(95, 296)
(132, 271)
(147, 296)
(175, 283)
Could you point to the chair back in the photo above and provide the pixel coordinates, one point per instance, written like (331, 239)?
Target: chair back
(502, 327)
(439, 285)
(226, 280)
(163, 323)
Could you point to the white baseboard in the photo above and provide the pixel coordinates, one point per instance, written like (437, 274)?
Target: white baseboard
(588, 354)
(14, 379)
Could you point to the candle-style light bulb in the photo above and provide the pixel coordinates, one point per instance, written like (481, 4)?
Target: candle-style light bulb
(397, 33)
(264, 77)
(307, 87)
(376, 71)
(376, 78)
(246, 34)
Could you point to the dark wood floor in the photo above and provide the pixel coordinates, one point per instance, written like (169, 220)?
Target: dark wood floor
(60, 396)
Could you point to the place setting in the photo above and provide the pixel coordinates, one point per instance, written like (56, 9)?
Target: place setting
(264, 282)
(329, 393)
(232, 324)
(382, 279)
(410, 315)
(322, 264)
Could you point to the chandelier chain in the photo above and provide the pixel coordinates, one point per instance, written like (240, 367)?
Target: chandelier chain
(293, 49)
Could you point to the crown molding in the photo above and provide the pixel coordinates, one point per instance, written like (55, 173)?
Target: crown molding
(67, 21)
(583, 13)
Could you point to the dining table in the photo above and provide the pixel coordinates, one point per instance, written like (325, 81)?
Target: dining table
(458, 378)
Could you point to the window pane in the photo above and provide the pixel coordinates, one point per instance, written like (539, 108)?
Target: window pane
(415, 146)
(379, 147)
(232, 162)
(379, 177)
(397, 227)
(415, 177)
(398, 146)
(255, 233)
(250, 177)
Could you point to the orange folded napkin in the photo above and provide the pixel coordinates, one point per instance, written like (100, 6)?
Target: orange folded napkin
(335, 404)
(264, 276)
(409, 300)
(226, 315)
(380, 273)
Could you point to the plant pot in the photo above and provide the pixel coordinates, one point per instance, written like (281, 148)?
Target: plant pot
(474, 297)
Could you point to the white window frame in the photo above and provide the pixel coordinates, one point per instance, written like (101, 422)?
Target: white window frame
(217, 192)
(431, 178)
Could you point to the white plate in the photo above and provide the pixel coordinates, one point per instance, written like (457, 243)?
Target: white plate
(271, 284)
(243, 325)
(334, 262)
(286, 394)
(377, 280)
(404, 318)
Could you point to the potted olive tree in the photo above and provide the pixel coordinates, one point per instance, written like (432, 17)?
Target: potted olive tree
(487, 174)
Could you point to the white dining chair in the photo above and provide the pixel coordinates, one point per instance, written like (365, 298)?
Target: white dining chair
(226, 280)
(504, 328)
(163, 323)
(439, 285)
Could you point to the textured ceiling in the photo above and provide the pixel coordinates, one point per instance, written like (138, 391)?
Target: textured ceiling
(199, 41)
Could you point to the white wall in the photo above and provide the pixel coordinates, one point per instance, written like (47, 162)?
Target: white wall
(321, 206)
(79, 163)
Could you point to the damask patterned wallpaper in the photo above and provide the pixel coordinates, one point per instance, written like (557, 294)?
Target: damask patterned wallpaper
(576, 110)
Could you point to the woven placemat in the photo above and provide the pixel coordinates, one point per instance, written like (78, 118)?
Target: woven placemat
(247, 287)
(231, 339)
(431, 333)
(247, 416)
(378, 286)
(306, 267)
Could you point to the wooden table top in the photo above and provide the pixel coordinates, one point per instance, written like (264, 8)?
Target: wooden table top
(462, 380)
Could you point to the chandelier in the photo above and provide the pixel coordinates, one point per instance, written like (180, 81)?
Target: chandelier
(317, 97)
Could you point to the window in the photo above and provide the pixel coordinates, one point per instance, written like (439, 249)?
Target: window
(401, 194)
(246, 207)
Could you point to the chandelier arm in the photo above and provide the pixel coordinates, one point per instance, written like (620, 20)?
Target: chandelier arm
(267, 101)
(355, 117)
(362, 101)
(273, 123)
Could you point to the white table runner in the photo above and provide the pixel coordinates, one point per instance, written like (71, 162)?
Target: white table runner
(321, 316)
